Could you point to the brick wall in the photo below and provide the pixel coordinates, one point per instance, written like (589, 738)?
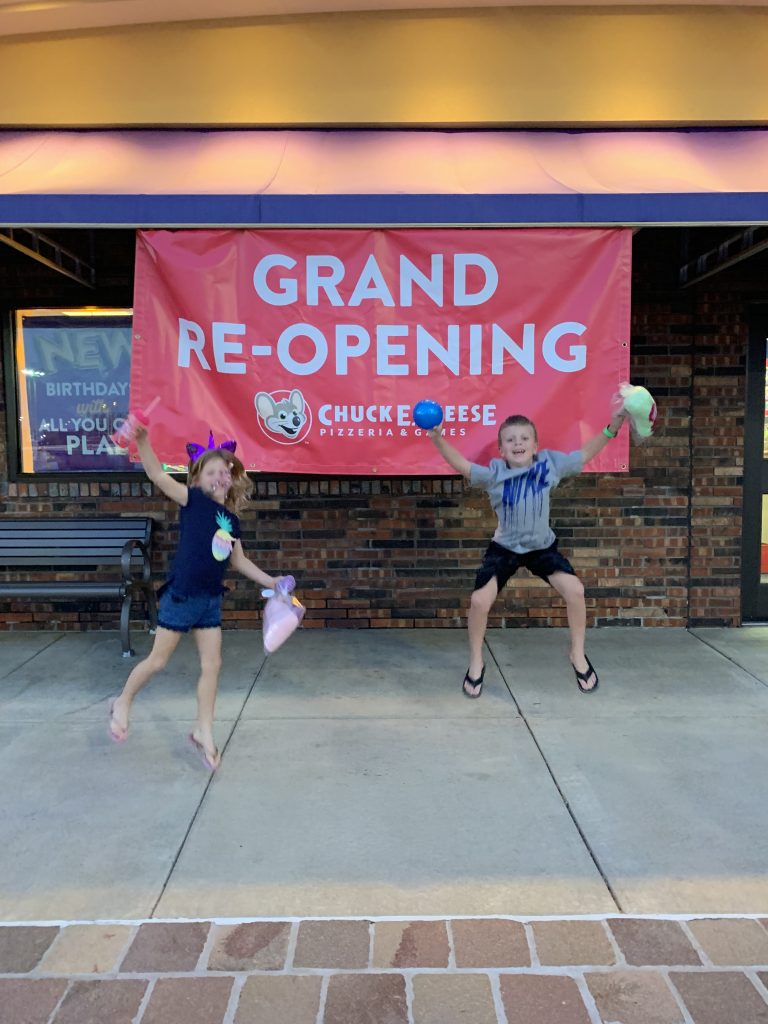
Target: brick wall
(717, 458)
(659, 545)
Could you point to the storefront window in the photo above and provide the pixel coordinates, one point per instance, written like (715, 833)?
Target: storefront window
(72, 373)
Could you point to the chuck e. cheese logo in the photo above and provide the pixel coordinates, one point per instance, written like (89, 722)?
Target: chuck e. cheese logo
(284, 416)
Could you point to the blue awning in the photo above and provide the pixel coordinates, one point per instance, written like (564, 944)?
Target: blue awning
(177, 178)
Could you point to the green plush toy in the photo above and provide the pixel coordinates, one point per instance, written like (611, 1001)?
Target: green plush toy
(639, 405)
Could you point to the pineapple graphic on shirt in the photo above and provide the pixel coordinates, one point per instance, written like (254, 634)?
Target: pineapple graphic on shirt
(221, 545)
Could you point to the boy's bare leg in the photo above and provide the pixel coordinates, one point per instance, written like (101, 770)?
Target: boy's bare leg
(480, 605)
(572, 590)
(209, 648)
(163, 647)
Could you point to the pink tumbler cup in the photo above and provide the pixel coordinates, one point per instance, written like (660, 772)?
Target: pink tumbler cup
(126, 432)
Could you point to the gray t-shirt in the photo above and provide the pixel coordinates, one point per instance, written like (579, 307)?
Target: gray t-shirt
(520, 497)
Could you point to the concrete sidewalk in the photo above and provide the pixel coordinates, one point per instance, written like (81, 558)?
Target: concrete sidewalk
(358, 783)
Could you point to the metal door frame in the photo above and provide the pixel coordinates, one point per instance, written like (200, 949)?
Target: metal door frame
(754, 595)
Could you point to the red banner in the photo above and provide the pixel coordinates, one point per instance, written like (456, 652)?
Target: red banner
(311, 347)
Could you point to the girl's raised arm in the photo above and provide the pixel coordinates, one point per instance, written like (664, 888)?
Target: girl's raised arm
(173, 489)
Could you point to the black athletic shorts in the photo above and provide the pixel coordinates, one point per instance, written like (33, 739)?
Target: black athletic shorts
(502, 563)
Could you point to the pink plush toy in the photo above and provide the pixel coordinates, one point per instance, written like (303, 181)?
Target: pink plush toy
(282, 614)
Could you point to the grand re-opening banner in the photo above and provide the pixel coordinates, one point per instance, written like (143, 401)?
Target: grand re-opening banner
(311, 347)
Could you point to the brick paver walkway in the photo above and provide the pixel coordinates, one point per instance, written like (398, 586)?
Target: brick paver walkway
(711, 970)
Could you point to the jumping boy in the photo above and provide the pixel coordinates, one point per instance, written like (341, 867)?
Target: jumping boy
(518, 486)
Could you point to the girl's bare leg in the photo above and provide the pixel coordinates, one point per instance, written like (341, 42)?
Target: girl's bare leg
(480, 605)
(572, 590)
(163, 647)
(209, 648)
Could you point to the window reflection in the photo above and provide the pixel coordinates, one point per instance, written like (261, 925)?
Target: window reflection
(73, 375)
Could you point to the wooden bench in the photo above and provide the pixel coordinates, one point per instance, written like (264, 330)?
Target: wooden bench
(80, 547)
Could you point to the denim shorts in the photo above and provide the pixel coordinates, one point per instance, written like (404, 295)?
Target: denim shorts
(181, 612)
(503, 563)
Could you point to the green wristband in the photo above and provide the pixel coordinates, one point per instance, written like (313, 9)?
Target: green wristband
(609, 433)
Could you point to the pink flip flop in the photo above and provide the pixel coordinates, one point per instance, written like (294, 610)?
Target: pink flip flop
(210, 765)
(116, 735)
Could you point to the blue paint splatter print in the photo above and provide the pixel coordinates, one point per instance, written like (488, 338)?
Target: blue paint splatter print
(520, 488)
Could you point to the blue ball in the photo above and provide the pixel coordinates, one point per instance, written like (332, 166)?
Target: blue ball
(427, 414)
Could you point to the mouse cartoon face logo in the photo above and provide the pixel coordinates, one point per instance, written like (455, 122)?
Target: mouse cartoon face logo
(283, 415)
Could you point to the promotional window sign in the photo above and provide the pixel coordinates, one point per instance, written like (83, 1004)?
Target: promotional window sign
(73, 375)
(312, 347)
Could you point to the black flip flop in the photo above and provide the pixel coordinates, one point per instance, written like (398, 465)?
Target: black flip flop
(473, 682)
(583, 677)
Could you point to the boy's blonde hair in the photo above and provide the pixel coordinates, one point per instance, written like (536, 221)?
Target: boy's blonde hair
(239, 493)
(518, 421)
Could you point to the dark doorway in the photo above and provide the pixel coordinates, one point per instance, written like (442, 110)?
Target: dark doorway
(755, 550)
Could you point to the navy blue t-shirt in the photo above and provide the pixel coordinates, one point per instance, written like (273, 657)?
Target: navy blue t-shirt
(207, 532)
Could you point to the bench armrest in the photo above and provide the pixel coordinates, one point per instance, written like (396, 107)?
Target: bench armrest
(125, 562)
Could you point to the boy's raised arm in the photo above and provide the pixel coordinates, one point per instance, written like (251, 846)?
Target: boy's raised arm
(454, 458)
(596, 444)
(173, 489)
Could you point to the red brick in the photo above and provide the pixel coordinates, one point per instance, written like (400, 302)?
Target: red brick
(166, 947)
(410, 944)
(720, 997)
(634, 997)
(188, 1001)
(648, 942)
(258, 945)
(449, 998)
(562, 943)
(332, 944)
(279, 999)
(94, 1002)
(485, 942)
(23, 946)
(365, 999)
(731, 941)
(27, 1001)
(87, 949)
(542, 999)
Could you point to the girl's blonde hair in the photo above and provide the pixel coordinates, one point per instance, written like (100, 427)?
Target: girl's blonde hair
(239, 493)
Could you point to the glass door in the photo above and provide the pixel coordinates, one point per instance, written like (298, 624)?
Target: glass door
(755, 547)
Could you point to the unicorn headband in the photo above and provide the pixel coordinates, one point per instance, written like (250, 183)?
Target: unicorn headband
(194, 451)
